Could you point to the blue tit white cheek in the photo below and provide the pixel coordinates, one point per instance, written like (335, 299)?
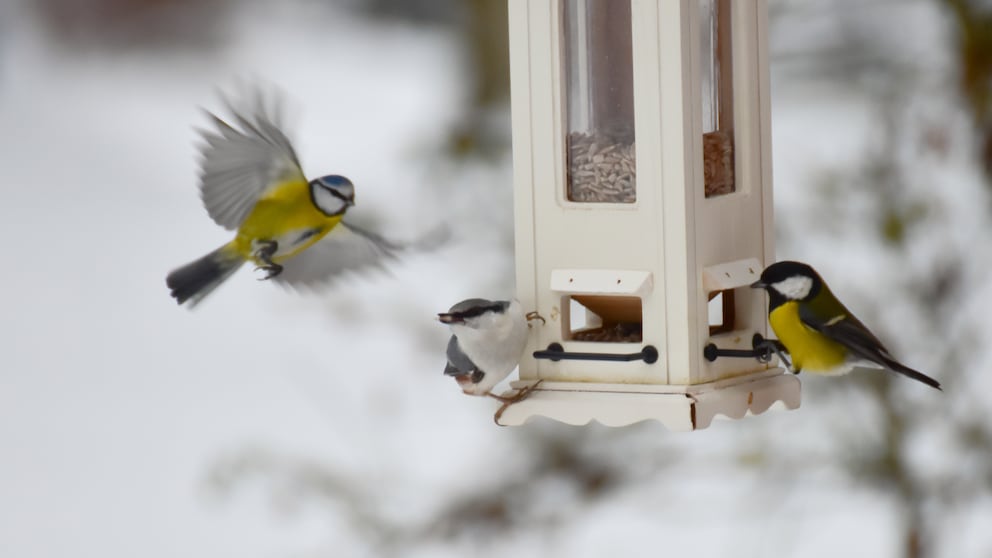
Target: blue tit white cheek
(327, 202)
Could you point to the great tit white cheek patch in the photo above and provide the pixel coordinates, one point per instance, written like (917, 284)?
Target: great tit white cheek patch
(794, 288)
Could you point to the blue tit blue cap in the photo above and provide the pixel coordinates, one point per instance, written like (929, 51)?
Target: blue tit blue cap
(339, 184)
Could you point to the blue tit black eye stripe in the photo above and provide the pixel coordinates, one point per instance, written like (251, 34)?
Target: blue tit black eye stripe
(314, 185)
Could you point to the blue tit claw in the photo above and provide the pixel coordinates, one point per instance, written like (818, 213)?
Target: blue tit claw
(271, 271)
(267, 249)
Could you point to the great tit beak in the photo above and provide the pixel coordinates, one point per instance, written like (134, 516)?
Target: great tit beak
(448, 319)
(758, 285)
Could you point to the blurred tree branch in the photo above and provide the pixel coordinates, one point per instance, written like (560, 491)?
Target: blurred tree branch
(481, 25)
(130, 24)
(973, 46)
(555, 457)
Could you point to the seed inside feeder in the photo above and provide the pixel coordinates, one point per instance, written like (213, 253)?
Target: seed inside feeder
(718, 163)
(601, 168)
(622, 332)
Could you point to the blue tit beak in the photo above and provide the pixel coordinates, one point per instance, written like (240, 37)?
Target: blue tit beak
(758, 284)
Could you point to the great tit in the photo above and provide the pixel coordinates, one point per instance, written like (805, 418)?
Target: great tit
(818, 332)
(251, 182)
(487, 343)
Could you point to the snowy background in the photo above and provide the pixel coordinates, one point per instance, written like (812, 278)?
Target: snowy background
(270, 424)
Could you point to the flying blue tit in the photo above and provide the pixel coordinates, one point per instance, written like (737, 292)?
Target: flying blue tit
(818, 332)
(251, 182)
(487, 343)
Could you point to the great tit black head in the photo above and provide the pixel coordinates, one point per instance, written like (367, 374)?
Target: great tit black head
(788, 280)
(332, 194)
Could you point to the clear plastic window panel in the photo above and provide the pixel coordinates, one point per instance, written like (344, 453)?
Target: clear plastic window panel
(599, 91)
(716, 68)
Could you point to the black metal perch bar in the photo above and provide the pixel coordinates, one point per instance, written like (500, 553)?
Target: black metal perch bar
(556, 352)
(761, 350)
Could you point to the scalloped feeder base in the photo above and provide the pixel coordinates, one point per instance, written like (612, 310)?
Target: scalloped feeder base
(679, 408)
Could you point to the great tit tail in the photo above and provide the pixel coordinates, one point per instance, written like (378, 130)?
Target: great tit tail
(195, 280)
(896, 366)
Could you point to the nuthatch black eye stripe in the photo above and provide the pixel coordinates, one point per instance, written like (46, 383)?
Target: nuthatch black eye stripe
(477, 311)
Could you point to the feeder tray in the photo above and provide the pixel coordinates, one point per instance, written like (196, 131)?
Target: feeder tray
(679, 408)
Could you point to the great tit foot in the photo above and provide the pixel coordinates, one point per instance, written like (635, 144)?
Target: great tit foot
(507, 401)
(768, 347)
(786, 362)
(535, 316)
(780, 353)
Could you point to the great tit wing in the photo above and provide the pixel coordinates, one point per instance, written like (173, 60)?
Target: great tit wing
(458, 362)
(346, 248)
(241, 159)
(846, 330)
(850, 332)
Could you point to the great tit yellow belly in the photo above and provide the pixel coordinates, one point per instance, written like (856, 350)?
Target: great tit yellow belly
(808, 349)
(251, 182)
(818, 332)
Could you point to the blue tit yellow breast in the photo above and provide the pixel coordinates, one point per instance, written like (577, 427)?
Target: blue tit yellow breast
(286, 214)
(808, 349)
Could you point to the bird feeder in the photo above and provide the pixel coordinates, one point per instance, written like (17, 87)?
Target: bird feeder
(642, 182)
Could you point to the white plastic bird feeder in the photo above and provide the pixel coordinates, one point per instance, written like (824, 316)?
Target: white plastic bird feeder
(642, 178)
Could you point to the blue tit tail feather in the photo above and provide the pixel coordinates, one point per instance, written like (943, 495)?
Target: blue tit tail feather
(195, 280)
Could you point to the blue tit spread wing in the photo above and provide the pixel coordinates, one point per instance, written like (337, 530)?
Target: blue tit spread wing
(847, 330)
(240, 160)
(346, 248)
(458, 362)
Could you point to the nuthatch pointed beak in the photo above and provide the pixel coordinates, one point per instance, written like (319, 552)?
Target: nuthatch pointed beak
(445, 318)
